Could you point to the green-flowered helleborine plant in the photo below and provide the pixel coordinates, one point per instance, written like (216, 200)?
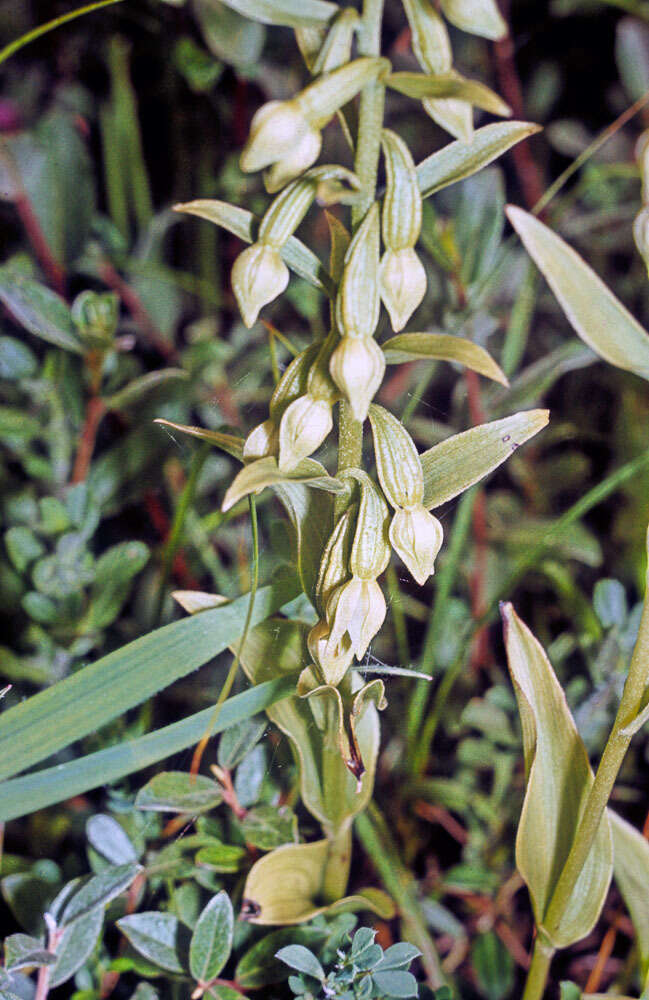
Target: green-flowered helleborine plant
(348, 522)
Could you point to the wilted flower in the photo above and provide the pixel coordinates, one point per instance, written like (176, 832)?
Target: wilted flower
(416, 535)
(357, 609)
(357, 367)
(402, 283)
(259, 275)
(304, 426)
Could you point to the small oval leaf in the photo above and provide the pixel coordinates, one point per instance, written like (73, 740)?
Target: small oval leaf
(179, 792)
(211, 941)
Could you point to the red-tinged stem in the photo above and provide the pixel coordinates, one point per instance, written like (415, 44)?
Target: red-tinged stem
(111, 277)
(95, 410)
(480, 650)
(527, 169)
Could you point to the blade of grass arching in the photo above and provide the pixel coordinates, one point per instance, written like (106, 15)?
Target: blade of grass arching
(114, 180)
(43, 29)
(232, 673)
(445, 581)
(124, 107)
(21, 796)
(83, 703)
(377, 842)
(178, 524)
(520, 322)
(398, 615)
(524, 564)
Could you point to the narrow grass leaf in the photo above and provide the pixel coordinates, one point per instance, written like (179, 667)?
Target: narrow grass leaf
(54, 784)
(87, 700)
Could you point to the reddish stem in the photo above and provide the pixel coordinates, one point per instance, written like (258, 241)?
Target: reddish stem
(95, 410)
(527, 169)
(111, 277)
(51, 267)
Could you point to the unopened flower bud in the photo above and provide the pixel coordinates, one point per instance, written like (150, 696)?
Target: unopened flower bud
(277, 129)
(403, 285)
(305, 425)
(357, 303)
(293, 382)
(334, 565)
(357, 609)
(259, 275)
(262, 441)
(370, 551)
(357, 367)
(416, 535)
(96, 315)
(332, 659)
(397, 460)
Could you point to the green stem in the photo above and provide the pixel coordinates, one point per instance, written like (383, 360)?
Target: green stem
(43, 29)
(336, 875)
(366, 165)
(537, 975)
(631, 704)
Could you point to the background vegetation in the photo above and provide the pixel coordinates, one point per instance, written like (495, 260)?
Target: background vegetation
(104, 125)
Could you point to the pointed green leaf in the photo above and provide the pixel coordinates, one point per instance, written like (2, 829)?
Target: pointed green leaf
(256, 476)
(110, 839)
(290, 13)
(311, 515)
(458, 160)
(98, 891)
(179, 792)
(77, 944)
(442, 86)
(597, 315)
(298, 957)
(631, 870)
(54, 784)
(211, 941)
(559, 779)
(462, 460)
(478, 17)
(48, 721)
(160, 937)
(39, 310)
(21, 951)
(245, 225)
(228, 443)
(442, 347)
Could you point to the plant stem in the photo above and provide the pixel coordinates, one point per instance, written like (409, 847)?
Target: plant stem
(631, 703)
(538, 972)
(336, 874)
(366, 165)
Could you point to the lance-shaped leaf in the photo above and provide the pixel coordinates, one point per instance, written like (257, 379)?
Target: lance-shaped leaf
(229, 443)
(597, 315)
(289, 13)
(327, 788)
(245, 225)
(442, 347)
(39, 310)
(211, 941)
(631, 871)
(265, 472)
(559, 779)
(285, 886)
(453, 465)
(478, 17)
(458, 160)
(442, 86)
